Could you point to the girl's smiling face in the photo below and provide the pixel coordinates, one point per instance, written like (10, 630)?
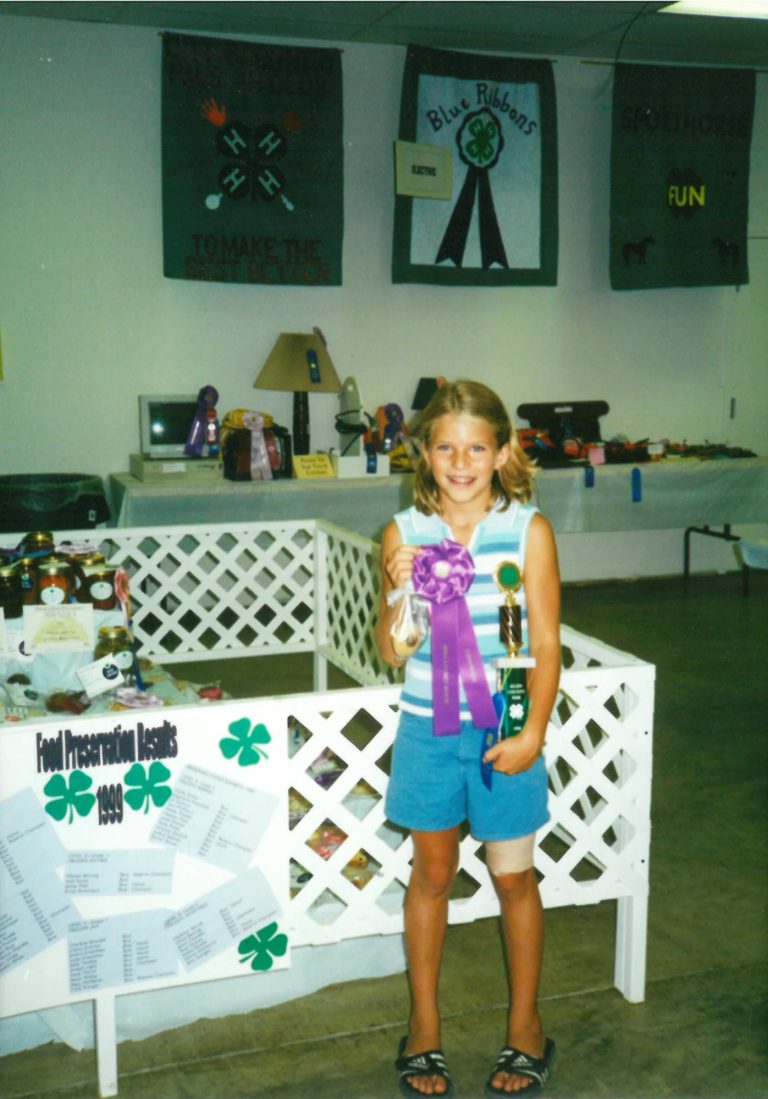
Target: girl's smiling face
(463, 456)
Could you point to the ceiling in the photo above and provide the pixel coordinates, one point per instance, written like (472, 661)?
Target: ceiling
(592, 30)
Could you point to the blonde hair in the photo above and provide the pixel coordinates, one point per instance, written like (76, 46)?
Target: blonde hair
(513, 481)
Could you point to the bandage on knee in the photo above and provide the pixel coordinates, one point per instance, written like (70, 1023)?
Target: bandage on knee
(509, 856)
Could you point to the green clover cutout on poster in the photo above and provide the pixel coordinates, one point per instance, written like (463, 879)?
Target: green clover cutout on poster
(149, 786)
(482, 146)
(480, 140)
(70, 797)
(245, 742)
(260, 948)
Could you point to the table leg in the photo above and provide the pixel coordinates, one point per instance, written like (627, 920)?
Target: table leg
(724, 534)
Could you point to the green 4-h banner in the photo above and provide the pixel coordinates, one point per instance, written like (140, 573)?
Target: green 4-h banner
(680, 176)
(252, 162)
(496, 117)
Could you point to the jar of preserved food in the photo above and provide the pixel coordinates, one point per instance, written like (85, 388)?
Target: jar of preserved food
(98, 586)
(10, 591)
(92, 557)
(26, 567)
(81, 561)
(115, 641)
(38, 541)
(55, 581)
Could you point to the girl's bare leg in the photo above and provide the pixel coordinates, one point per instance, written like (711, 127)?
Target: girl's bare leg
(435, 860)
(522, 920)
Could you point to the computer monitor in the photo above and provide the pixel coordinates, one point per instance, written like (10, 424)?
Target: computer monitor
(164, 423)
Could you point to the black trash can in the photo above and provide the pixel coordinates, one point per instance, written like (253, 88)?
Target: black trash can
(51, 501)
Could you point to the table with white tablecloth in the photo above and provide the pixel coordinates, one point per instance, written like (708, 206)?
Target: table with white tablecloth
(674, 494)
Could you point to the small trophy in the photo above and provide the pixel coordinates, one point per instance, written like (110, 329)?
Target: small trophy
(511, 697)
(512, 670)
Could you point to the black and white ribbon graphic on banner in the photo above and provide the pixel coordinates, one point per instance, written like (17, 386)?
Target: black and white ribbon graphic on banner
(480, 141)
(496, 117)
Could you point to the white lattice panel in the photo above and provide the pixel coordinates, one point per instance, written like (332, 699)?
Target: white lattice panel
(594, 848)
(350, 596)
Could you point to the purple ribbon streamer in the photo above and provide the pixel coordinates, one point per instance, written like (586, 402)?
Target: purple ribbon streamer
(442, 574)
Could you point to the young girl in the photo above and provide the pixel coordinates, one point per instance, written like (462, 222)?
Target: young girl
(472, 484)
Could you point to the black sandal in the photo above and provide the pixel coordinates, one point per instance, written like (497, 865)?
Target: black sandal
(516, 1063)
(431, 1063)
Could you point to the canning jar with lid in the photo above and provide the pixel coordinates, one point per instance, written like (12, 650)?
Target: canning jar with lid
(38, 541)
(98, 586)
(27, 570)
(80, 561)
(115, 641)
(55, 581)
(10, 591)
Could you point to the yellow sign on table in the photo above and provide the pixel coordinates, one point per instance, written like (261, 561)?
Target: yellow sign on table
(306, 466)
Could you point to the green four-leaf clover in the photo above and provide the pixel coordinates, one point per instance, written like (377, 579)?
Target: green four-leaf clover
(149, 786)
(259, 948)
(244, 742)
(482, 147)
(70, 796)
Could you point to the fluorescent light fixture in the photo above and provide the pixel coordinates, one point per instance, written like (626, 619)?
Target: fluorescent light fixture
(737, 9)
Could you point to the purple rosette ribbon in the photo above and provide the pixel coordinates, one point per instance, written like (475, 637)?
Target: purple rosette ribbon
(442, 574)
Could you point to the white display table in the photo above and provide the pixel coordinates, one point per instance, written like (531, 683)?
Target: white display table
(676, 493)
(363, 505)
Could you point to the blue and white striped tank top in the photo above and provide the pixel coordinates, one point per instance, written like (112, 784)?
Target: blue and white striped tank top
(500, 536)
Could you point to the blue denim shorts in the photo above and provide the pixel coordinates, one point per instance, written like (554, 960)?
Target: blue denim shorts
(436, 784)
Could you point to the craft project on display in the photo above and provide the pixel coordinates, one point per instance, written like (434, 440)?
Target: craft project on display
(496, 117)
(252, 162)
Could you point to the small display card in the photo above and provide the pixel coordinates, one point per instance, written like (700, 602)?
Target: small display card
(423, 171)
(101, 676)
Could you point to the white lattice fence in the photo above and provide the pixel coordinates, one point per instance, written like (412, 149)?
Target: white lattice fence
(220, 589)
(348, 601)
(594, 848)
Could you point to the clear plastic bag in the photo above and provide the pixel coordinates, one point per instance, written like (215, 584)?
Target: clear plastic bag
(410, 622)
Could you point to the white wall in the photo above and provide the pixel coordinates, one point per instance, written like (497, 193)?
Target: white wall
(88, 321)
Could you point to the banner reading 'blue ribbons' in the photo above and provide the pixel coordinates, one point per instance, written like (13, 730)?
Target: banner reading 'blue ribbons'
(496, 116)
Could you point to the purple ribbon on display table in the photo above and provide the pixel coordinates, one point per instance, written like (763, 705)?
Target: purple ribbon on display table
(442, 574)
(206, 398)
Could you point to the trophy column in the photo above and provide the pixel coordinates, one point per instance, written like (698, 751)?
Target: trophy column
(512, 670)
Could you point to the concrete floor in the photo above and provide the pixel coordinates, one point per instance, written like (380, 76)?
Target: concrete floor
(702, 1029)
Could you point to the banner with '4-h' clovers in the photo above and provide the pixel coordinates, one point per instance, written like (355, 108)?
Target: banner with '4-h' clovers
(497, 118)
(252, 162)
(680, 176)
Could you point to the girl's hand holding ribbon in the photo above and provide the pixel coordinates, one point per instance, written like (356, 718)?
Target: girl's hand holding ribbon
(399, 565)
